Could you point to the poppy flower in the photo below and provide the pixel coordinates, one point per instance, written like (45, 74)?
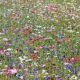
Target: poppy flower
(14, 16)
(33, 11)
(51, 47)
(52, 8)
(34, 57)
(76, 59)
(59, 40)
(6, 72)
(66, 39)
(39, 47)
(27, 31)
(68, 60)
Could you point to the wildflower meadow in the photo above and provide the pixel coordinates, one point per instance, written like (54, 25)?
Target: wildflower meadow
(39, 39)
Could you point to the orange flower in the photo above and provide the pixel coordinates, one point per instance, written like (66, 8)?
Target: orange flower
(66, 39)
(27, 31)
(59, 40)
(34, 57)
(51, 47)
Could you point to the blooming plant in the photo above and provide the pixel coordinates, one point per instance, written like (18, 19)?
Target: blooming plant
(39, 39)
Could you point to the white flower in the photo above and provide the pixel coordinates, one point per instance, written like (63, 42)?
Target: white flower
(48, 53)
(0, 63)
(9, 10)
(1, 33)
(77, 32)
(36, 29)
(28, 60)
(21, 77)
(9, 49)
(67, 63)
(35, 64)
(39, 32)
(79, 74)
(35, 51)
(39, 26)
(43, 71)
(33, 33)
(73, 77)
(1, 72)
(5, 39)
(22, 58)
(27, 16)
(70, 31)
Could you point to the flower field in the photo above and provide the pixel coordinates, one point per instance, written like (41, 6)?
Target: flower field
(39, 40)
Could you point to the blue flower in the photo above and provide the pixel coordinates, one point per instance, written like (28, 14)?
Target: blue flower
(75, 71)
(69, 66)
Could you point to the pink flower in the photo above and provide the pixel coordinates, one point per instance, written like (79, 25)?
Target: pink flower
(13, 71)
(33, 11)
(52, 8)
(76, 59)
(1, 51)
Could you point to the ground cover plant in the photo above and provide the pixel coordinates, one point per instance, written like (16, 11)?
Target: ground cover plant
(39, 40)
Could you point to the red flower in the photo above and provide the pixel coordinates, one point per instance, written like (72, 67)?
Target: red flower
(51, 47)
(33, 11)
(66, 39)
(52, 8)
(59, 40)
(68, 60)
(34, 57)
(27, 31)
(76, 59)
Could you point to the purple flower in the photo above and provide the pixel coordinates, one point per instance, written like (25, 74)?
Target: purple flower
(21, 65)
(63, 57)
(59, 79)
(46, 48)
(1, 51)
(75, 71)
(69, 66)
(5, 30)
(47, 77)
